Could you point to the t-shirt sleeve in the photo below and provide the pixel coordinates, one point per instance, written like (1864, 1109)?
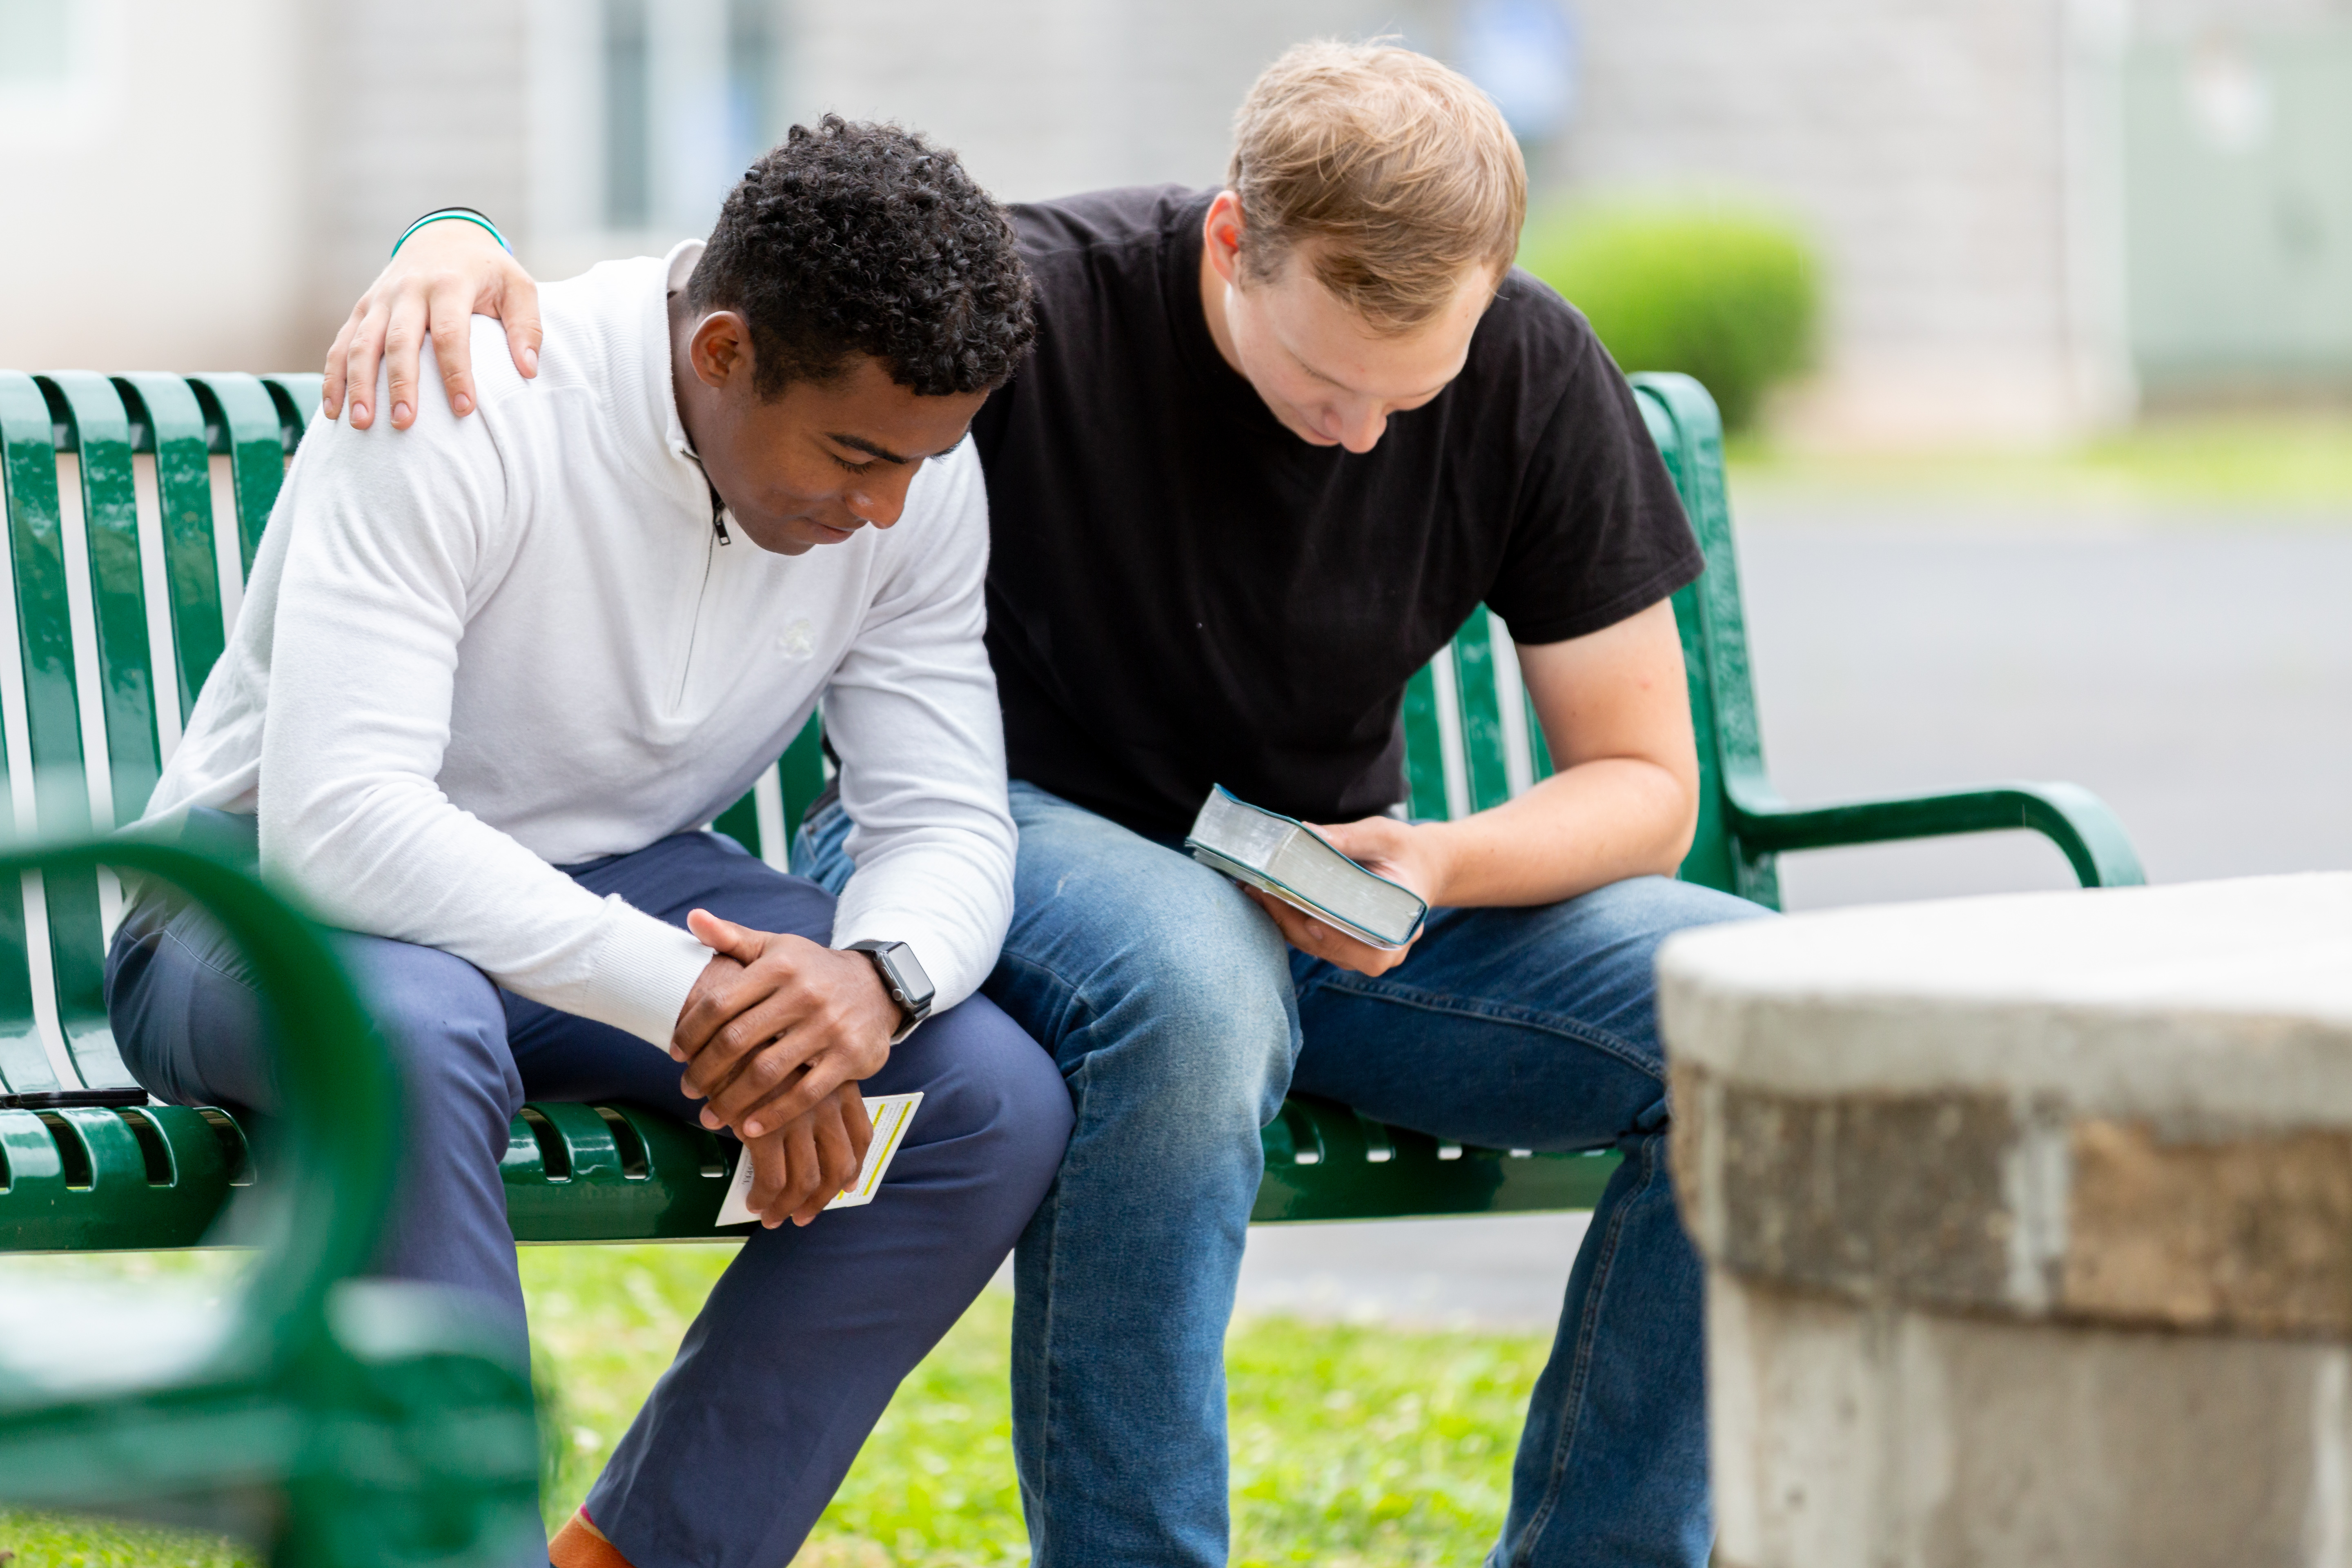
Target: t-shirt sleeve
(1599, 533)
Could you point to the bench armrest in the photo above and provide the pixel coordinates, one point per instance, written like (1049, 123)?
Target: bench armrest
(341, 1123)
(2069, 815)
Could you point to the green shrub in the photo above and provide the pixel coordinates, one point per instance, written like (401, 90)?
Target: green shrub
(1729, 297)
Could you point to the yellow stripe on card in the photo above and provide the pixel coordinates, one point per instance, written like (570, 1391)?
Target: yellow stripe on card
(891, 1114)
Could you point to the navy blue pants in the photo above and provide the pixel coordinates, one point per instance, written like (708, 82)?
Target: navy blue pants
(806, 1335)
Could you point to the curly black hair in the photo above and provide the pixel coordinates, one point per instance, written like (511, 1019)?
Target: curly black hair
(853, 238)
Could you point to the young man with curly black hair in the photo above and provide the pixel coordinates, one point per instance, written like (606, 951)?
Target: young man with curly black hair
(491, 679)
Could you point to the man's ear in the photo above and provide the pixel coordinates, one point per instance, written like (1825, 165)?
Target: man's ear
(1221, 235)
(721, 349)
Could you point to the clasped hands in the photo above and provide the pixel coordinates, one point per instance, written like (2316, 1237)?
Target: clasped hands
(776, 1037)
(779, 1031)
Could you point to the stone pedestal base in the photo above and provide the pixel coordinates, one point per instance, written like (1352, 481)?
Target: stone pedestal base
(2028, 1225)
(1855, 1437)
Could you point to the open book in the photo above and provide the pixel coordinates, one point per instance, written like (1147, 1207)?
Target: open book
(1289, 859)
(890, 1114)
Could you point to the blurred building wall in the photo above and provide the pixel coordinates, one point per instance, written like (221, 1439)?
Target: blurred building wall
(413, 104)
(1039, 97)
(2179, 19)
(2024, 227)
(1079, 94)
(2237, 179)
(151, 161)
(1926, 147)
(209, 186)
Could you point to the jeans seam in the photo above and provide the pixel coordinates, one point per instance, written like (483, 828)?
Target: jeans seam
(1580, 1374)
(1050, 1417)
(1052, 1422)
(1046, 1375)
(1496, 1012)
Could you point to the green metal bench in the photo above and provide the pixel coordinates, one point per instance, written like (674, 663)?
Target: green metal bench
(344, 1423)
(135, 502)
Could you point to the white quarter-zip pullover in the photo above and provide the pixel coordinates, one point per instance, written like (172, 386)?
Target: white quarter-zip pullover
(481, 648)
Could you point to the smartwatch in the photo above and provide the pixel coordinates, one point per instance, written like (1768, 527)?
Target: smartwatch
(903, 978)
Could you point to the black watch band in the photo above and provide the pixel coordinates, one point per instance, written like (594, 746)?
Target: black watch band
(903, 978)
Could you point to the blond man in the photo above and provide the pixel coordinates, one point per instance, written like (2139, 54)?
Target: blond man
(1277, 441)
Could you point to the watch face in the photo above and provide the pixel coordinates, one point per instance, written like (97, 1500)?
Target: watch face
(913, 985)
(903, 976)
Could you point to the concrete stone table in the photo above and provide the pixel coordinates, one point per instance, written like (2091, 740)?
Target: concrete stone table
(2027, 1224)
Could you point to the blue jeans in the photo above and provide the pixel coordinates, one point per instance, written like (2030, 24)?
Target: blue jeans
(1181, 1018)
(809, 1331)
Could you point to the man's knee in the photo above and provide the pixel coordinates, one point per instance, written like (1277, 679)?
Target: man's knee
(1597, 955)
(710, 871)
(446, 1025)
(1654, 908)
(1217, 1002)
(1155, 982)
(1186, 983)
(992, 1094)
(746, 889)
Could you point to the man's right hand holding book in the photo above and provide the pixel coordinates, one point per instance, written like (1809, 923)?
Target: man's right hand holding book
(776, 1035)
(1381, 844)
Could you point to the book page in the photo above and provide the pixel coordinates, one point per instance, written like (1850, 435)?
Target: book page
(1362, 897)
(1296, 899)
(890, 1113)
(1281, 856)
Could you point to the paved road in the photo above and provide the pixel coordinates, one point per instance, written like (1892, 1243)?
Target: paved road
(2195, 671)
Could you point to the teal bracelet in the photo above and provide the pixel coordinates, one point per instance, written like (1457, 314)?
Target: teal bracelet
(463, 216)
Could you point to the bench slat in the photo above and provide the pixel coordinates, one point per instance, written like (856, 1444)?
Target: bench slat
(1353, 1169)
(112, 1202)
(61, 908)
(109, 520)
(244, 424)
(1481, 725)
(296, 394)
(167, 407)
(618, 1173)
(30, 1063)
(116, 754)
(1424, 764)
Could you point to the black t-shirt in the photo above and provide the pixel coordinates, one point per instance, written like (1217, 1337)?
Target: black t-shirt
(1181, 592)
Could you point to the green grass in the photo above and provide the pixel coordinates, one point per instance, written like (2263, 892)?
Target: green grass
(1351, 1445)
(41, 1540)
(2299, 462)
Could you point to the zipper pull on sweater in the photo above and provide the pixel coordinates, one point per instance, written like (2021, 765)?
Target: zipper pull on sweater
(717, 514)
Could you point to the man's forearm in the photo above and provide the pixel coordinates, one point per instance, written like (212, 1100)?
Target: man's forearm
(912, 713)
(1613, 708)
(1598, 823)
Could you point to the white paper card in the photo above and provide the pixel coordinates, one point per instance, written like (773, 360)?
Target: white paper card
(890, 1114)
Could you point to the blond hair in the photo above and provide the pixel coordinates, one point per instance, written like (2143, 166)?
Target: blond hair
(1400, 171)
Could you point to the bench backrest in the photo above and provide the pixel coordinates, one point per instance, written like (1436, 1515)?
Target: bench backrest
(135, 504)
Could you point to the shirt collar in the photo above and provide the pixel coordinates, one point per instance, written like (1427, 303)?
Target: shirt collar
(675, 269)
